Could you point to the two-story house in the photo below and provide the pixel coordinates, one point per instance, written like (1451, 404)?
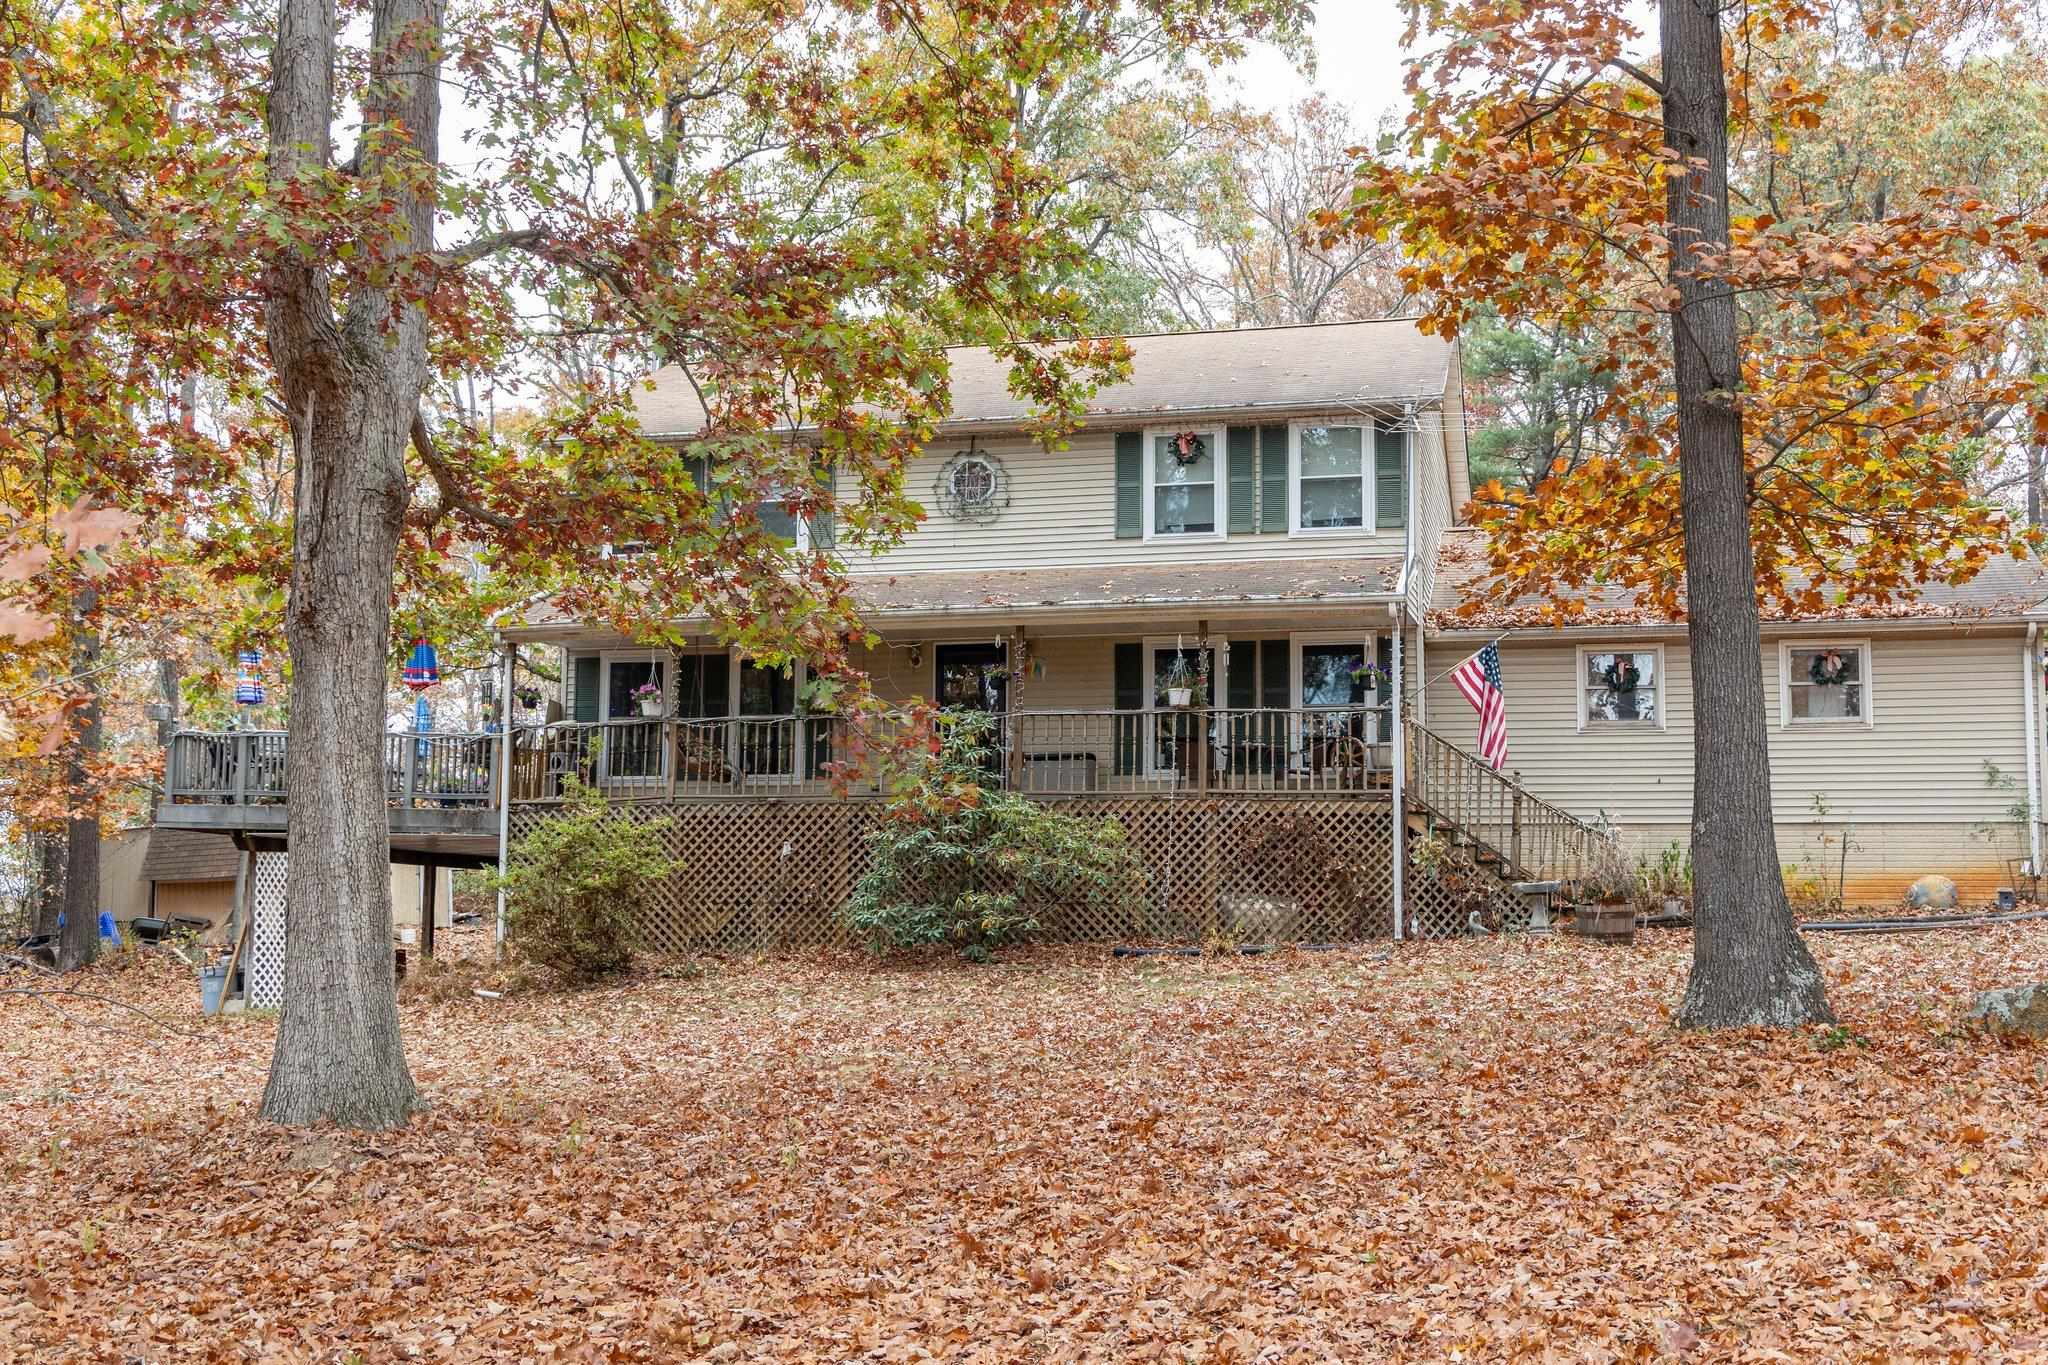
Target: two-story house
(1197, 617)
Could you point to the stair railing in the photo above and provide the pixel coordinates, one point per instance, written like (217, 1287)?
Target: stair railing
(1527, 837)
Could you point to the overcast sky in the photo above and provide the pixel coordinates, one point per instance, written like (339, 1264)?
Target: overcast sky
(1358, 61)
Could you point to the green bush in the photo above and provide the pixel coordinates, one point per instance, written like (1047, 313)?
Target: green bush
(575, 888)
(956, 863)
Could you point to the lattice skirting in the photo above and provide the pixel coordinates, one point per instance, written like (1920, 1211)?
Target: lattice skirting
(772, 874)
(264, 974)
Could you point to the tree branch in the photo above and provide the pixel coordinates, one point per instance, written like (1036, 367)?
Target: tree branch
(445, 479)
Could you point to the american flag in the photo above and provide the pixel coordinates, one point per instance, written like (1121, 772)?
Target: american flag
(1479, 679)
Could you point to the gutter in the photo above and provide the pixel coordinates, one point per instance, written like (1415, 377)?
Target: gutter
(1967, 625)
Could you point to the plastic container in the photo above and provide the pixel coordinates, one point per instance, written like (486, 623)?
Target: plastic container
(212, 983)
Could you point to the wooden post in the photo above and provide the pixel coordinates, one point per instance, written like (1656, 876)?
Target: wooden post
(412, 770)
(1515, 836)
(430, 889)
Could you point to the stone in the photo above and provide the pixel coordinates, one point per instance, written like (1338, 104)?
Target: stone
(2013, 1010)
(1932, 893)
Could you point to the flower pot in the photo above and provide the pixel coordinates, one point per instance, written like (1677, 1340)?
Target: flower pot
(1180, 696)
(1607, 922)
(650, 706)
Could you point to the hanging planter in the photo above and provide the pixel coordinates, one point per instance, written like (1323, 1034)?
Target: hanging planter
(1829, 668)
(1187, 447)
(529, 698)
(1622, 675)
(648, 697)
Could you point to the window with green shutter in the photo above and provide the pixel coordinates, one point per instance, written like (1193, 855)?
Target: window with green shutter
(587, 696)
(1273, 480)
(1128, 697)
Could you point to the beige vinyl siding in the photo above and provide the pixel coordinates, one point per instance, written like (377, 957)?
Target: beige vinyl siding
(1062, 511)
(1943, 705)
(1457, 462)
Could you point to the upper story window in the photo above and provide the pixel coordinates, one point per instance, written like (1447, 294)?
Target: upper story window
(1346, 478)
(1621, 687)
(1183, 494)
(1825, 682)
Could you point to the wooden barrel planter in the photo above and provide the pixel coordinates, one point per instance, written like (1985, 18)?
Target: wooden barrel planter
(1606, 923)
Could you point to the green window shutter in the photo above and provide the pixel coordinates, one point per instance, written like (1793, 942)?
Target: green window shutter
(1273, 480)
(1242, 443)
(1128, 696)
(1241, 676)
(717, 676)
(1130, 485)
(588, 671)
(1390, 479)
(1385, 660)
(700, 472)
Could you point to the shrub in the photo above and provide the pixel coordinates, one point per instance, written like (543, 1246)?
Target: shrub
(955, 863)
(576, 887)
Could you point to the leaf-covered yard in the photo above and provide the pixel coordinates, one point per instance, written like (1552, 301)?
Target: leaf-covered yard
(1420, 1152)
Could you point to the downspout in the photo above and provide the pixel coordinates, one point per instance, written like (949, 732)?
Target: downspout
(1400, 614)
(511, 654)
(2029, 671)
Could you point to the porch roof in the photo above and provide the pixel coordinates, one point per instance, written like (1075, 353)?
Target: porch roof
(1332, 365)
(2007, 589)
(980, 593)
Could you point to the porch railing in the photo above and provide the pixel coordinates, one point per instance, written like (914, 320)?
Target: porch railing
(1525, 835)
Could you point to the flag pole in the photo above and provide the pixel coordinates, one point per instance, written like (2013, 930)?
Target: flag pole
(1461, 663)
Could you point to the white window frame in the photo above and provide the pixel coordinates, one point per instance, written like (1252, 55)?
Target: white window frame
(1866, 678)
(1221, 458)
(1598, 723)
(1369, 643)
(1368, 475)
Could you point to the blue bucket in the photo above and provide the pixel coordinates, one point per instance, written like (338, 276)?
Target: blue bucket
(212, 984)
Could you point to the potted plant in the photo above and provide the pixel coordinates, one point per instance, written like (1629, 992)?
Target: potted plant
(1370, 677)
(1179, 682)
(1606, 895)
(648, 696)
(528, 695)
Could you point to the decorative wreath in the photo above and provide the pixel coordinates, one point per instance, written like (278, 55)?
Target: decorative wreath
(1187, 447)
(1829, 668)
(973, 486)
(1622, 675)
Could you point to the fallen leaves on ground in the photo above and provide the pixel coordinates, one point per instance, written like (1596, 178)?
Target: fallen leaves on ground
(1479, 1151)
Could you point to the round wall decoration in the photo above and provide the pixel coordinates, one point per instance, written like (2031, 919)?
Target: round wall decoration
(972, 486)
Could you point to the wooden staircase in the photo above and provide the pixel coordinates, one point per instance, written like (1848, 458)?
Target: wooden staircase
(1492, 819)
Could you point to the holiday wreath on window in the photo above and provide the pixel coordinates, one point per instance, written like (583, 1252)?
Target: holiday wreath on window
(1622, 675)
(1187, 447)
(1829, 667)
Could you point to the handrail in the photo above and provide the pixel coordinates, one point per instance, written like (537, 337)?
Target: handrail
(445, 768)
(1527, 837)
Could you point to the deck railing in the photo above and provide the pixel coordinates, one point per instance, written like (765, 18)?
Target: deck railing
(1532, 839)
(247, 767)
(1039, 753)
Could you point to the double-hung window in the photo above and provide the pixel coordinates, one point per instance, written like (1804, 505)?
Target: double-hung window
(1346, 478)
(1621, 687)
(1825, 682)
(1183, 494)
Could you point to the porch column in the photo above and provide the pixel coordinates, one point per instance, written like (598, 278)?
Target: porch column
(1013, 661)
(430, 887)
(1203, 705)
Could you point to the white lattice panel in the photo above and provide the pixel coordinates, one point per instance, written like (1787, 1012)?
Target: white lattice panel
(266, 932)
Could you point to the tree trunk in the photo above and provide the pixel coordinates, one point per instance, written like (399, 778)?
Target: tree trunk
(79, 940)
(49, 888)
(1749, 964)
(351, 384)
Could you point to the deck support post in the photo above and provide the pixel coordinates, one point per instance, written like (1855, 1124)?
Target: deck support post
(430, 891)
(1014, 652)
(511, 660)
